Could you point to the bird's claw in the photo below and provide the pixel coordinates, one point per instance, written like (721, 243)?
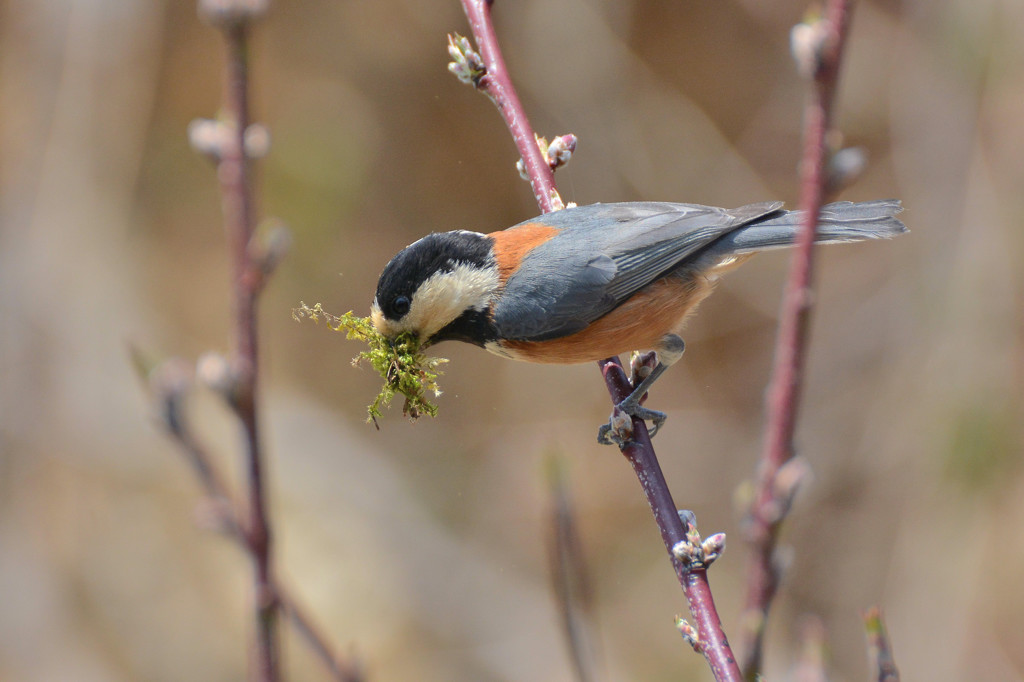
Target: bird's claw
(619, 429)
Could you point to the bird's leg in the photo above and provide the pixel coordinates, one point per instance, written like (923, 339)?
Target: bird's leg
(619, 430)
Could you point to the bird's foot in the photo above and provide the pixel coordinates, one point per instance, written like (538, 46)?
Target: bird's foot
(619, 429)
(646, 368)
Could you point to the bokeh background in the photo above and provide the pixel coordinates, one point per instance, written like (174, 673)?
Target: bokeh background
(423, 548)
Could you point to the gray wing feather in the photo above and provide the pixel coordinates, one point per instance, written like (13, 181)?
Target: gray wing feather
(547, 302)
(602, 255)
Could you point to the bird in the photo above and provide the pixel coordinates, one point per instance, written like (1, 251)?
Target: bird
(590, 282)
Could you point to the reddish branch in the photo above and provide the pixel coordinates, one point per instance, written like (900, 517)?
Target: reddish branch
(497, 85)
(570, 578)
(495, 82)
(237, 378)
(236, 199)
(170, 382)
(641, 455)
(771, 500)
(883, 665)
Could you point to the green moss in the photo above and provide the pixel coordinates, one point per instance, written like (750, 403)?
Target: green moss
(406, 370)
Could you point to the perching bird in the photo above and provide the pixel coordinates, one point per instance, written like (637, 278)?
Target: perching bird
(586, 283)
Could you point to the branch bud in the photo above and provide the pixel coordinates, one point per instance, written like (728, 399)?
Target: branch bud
(641, 365)
(256, 141)
(622, 424)
(807, 44)
(713, 547)
(689, 634)
(844, 167)
(557, 203)
(786, 484)
(214, 371)
(269, 245)
(693, 552)
(466, 63)
(560, 151)
(229, 14)
(556, 154)
(207, 137)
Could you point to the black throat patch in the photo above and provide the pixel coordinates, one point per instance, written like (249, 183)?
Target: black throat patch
(472, 326)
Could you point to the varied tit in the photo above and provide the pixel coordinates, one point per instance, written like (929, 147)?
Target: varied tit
(590, 282)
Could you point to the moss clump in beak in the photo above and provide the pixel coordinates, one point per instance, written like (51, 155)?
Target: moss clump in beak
(406, 370)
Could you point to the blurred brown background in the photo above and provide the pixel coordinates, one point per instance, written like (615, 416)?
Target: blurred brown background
(422, 547)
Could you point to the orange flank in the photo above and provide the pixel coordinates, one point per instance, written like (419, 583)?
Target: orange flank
(640, 322)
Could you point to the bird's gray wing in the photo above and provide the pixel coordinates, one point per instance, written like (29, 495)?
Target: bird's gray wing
(602, 255)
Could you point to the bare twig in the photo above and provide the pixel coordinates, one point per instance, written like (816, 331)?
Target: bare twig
(569, 576)
(228, 520)
(496, 84)
(231, 142)
(713, 643)
(170, 382)
(818, 47)
(883, 665)
(493, 80)
(236, 200)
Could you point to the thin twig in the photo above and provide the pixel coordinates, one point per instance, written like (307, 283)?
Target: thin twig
(825, 39)
(883, 665)
(237, 378)
(495, 82)
(497, 85)
(229, 521)
(236, 192)
(170, 382)
(694, 580)
(569, 576)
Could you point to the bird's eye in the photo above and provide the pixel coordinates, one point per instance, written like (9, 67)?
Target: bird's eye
(400, 305)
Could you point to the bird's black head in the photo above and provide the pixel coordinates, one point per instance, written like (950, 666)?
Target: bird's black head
(434, 281)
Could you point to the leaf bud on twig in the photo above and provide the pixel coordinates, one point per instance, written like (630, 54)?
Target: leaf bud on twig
(693, 552)
(557, 153)
(807, 43)
(207, 137)
(713, 547)
(215, 372)
(560, 151)
(787, 483)
(689, 634)
(227, 14)
(843, 168)
(621, 424)
(466, 63)
(268, 247)
(257, 141)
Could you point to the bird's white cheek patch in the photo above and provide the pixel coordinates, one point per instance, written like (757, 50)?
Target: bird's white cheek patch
(445, 295)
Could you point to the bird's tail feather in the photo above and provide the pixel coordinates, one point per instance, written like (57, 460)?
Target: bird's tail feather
(843, 221)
